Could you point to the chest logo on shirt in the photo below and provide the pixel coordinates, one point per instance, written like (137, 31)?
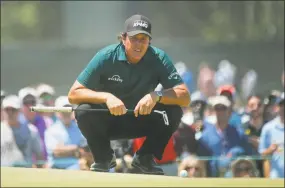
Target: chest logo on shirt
(116, 78)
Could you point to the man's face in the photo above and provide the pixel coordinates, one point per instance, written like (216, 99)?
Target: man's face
(136, 46)
(11, 114)
(29, 101)
(223, 113)
(255, 107)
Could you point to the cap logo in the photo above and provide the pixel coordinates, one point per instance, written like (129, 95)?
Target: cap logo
(140, 23)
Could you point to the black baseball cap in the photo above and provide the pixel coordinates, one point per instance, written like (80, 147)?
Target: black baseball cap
(137, 24)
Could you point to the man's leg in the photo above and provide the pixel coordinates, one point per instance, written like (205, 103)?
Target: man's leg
(159, 133)
(94, 126)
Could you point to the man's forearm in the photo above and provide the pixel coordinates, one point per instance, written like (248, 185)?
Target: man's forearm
(267, 152)
(66, 151)
(175, 96)
(84, 95)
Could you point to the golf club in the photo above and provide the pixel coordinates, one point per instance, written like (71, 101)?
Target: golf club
(71, 109)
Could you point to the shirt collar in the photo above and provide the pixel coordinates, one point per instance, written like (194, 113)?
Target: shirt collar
(121, 53)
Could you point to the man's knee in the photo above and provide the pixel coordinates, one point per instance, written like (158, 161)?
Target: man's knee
(174, 114)
(82, 111)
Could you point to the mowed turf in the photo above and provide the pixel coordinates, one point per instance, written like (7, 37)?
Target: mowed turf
(25, 177)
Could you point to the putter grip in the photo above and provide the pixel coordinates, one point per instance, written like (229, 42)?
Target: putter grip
(51, 109)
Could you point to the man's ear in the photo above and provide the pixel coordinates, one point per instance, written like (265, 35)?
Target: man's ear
(124, 36)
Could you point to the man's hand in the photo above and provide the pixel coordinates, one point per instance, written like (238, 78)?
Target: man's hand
(146, 104)
(273, 148)
(115, 106)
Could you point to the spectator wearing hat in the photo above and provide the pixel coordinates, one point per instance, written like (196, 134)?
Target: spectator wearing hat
(272, 142)
(220, 140)
(46, 94)
(26, 135)
(229, 91)
(28, 97)
(10, 153)
(64, 140)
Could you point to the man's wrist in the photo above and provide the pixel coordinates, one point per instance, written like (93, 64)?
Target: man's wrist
(77, 153)
(106, 96)
(158, 96)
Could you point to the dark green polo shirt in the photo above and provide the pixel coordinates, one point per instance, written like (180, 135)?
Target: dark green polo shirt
(109, 71)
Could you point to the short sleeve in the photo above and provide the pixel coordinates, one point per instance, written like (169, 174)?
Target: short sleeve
(168, 75)
(36, 142)
(264, 140)
(90, 76)
(51, 141)
(83, 141)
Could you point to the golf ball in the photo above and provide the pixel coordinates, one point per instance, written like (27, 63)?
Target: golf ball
(183, 173)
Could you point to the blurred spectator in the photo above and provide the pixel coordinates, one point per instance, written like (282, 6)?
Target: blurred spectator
(46, 96)
(195, 168)
(271, 106)
(229, 91)
(10, 153)
(248, 84)
(225, 74)
(220, 139)
(186, 75)
(205, 82)
(191, 126)
(252, 128)
(64, 141)
(28, 97)
(123, 151)
(2, 97)
(272, 142)
(243, 168)
(25, 134)
(254, 102)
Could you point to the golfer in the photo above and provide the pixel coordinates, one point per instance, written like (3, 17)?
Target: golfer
(122, 77)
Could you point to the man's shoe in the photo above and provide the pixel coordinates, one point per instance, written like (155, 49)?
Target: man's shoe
(104, 166)
(146, 164)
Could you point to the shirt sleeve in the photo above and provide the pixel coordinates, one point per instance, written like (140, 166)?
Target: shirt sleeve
(90, 76)
(264, 140)
(37, 145)
(168, 75)
(51, 141)
(83, 141)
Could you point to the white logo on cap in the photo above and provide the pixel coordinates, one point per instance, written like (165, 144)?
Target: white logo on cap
(140, 23)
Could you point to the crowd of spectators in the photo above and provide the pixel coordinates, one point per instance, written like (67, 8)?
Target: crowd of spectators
(219, 136)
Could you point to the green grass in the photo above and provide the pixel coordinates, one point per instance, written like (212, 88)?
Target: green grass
(24, 177)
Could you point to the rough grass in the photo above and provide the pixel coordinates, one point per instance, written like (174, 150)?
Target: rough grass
(24, 177)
